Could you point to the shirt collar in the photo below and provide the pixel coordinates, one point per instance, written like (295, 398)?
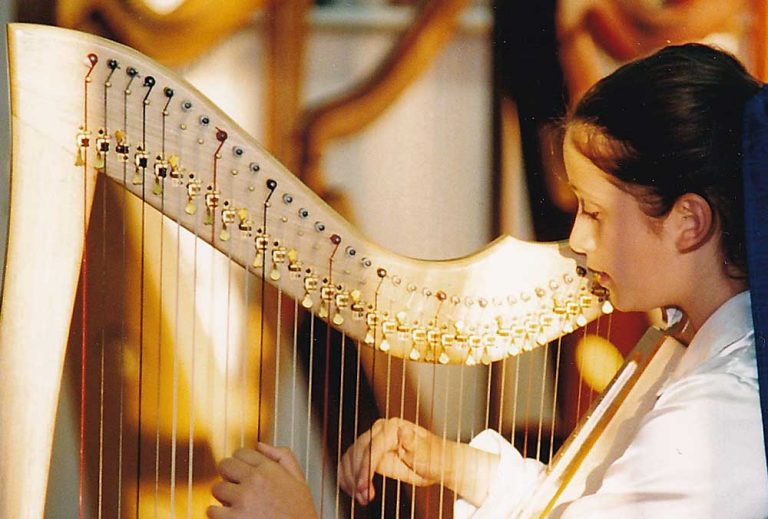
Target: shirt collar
(728, 324)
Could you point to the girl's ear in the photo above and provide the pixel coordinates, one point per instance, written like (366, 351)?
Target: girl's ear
(693, 222)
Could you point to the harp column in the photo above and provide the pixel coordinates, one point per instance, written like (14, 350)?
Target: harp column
(48, 210)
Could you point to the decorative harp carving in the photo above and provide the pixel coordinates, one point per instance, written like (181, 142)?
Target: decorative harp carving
(86, 110)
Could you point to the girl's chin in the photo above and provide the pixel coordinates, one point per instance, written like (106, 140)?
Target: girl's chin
(615, 297)
(624, 304)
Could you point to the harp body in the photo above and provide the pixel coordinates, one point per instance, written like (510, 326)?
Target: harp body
(77, 115)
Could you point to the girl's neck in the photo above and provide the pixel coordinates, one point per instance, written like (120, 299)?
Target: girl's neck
(705, 299)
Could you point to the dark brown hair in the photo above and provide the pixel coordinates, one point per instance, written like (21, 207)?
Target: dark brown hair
(671, 123)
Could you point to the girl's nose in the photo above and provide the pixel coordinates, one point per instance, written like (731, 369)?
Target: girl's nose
(582, 239)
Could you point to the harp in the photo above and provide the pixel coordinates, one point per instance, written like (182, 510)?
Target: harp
(124, 124)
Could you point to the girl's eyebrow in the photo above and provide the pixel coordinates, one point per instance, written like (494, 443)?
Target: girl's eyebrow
(584, 199)
(574, 188)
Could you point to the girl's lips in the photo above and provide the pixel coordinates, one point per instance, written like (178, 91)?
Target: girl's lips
(600, 278)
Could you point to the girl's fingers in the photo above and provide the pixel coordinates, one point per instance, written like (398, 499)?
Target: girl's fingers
(250, 457)
(233, 470)
(225, 492)
(391, 448)
(216, 512)
(406, 444)
(349, 468)
(284, 457)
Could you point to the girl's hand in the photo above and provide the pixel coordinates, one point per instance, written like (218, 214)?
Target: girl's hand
(264, 483)
(397, 449)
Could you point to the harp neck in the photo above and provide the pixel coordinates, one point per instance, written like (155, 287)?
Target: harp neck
(153, 133)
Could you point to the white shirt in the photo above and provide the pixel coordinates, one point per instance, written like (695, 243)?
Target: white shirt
(698, 453)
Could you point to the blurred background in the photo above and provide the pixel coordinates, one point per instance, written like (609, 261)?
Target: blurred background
(432, 126)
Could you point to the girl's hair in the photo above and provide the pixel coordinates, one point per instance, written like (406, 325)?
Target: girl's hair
(669, 124)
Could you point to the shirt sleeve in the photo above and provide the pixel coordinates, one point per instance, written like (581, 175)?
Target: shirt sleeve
(698, 453)
(515, 478)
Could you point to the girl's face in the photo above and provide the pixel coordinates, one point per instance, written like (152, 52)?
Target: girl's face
(625, 247)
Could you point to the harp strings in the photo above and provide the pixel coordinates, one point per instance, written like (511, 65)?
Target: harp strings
(227, 353)
(336, 241)
(402, 415)
(103, 302)
(419, 373)
(387, 389)
(262, 251)
(123, 272)
(310, 379)
(430, 422)
(83, 144)
(175, 377)
(176, 352)
(159, 372)
(142, 272)
(356, 416)
(294, 373)
(192, 383)
(340, 414)
(592, 358)
(390, 399)
(441, 453)
(243, 362)
(460, 414)
(278, 354)
(555, 390)
(580, 387)
(527, 408)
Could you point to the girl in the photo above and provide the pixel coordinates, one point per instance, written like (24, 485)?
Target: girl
(653, 153)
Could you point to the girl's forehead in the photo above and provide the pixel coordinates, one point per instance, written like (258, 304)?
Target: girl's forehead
(579, 168)
(584, 176)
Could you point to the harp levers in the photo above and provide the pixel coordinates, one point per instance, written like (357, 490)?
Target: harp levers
(84, 108)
